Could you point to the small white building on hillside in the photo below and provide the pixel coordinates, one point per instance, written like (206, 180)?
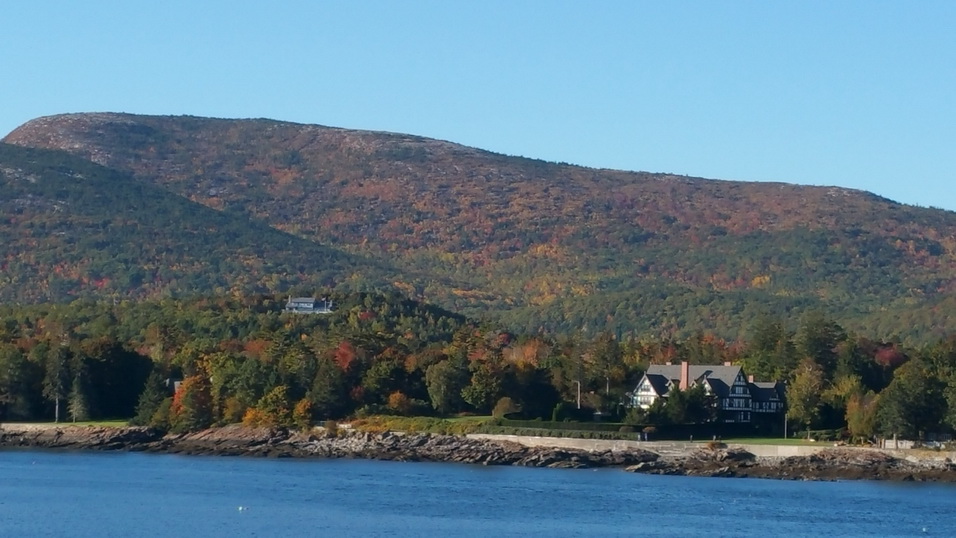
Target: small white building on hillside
(308, 305)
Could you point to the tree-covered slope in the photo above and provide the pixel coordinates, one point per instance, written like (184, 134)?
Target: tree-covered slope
(71, 228)
(546, 245)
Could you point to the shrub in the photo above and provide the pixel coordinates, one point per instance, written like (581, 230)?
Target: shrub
(254, 418)
(505, 406)
(399, 403)
(232, 411)
(635, 416)
(272, 410)
(558, 413)
(331, 428)
(302, 414)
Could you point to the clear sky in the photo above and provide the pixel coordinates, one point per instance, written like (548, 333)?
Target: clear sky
(857, 94)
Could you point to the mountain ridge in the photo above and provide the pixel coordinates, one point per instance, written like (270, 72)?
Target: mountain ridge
(543, 245)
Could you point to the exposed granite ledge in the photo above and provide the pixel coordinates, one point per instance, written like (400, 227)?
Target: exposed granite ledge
(239, 441)
(825, 464)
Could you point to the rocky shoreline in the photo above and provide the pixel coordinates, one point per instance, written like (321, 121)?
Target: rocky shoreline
(238, 441)
(829, 464)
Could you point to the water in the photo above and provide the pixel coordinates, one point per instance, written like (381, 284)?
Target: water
(128, 494)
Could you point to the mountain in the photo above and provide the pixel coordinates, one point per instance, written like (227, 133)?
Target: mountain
(72, 228)
(546, 245)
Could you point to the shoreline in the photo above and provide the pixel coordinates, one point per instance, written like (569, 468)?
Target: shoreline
(733, 461)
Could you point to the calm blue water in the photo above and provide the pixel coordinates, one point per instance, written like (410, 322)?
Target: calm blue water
(121, 494)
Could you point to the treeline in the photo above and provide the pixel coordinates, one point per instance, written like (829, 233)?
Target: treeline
(188, 364)
(863, 386)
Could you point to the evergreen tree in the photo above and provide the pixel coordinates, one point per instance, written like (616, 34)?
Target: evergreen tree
(13, 367)
(328, 394)
(770, 354)
(818, 338)
(154, 393)
(78, 403)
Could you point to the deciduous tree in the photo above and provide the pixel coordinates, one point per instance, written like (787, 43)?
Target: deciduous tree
(913, 404)
(861, 414)
(445, 381)
(192, 405)
(805, 392)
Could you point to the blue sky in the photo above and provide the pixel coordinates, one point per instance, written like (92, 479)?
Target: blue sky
(856, 94)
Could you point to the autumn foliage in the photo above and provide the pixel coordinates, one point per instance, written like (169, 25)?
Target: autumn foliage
(539, 246)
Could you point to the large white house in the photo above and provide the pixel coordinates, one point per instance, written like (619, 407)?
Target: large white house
(736, 396)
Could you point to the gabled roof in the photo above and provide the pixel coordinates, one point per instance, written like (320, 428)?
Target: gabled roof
(720, 378)
(658, 382)
(766, 391)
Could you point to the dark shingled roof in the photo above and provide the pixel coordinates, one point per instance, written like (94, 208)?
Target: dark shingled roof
(659, 382)
(765, 391)
(720, 378)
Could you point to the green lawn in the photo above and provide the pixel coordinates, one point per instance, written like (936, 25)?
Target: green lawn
(108, 423)
(470, 418)
(775, 441)
(64, 423)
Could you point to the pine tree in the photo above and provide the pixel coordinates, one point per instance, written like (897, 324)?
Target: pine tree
(154, 392)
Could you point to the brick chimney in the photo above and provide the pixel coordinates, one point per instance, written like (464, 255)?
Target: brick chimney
(750, 378)
(684, 375)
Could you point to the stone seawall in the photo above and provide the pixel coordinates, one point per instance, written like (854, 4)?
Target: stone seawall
(577, 444)
(677, 448)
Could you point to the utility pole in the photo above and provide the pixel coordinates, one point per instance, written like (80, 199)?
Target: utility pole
(578, 383)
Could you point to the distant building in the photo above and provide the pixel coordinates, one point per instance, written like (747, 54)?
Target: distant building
(308, 305)
(736, 396)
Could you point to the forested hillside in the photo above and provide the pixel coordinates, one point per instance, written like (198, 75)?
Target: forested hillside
(72, 228)
(545, 246)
